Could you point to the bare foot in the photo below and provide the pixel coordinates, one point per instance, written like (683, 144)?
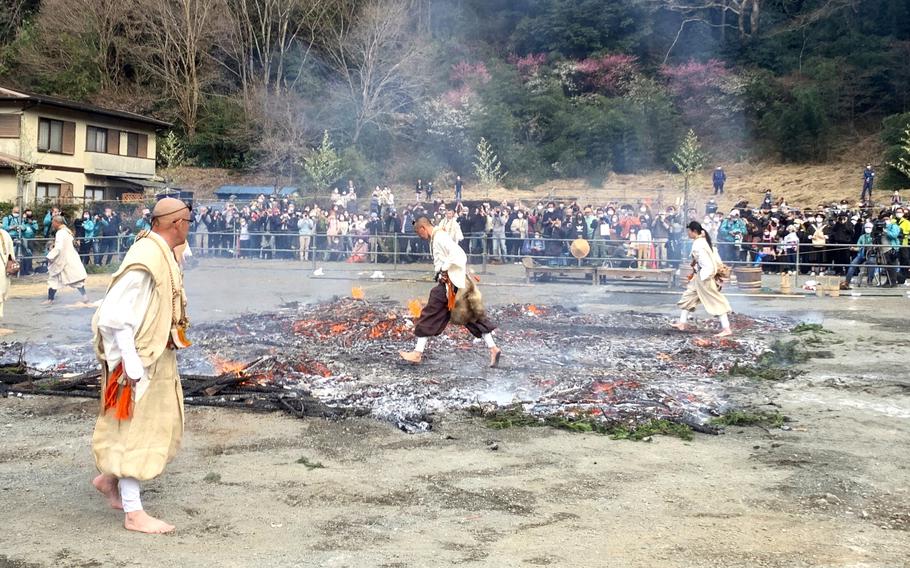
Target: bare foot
(495, 355)
(414, 357)
(47, 302)
(5, 331)
(140, 521)
(726, 332)
(678, 325)
(107, 485)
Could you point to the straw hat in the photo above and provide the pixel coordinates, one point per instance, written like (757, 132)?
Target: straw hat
(580, 248)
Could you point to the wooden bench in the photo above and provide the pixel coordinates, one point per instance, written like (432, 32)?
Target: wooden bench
(659, 275)
(533, 270)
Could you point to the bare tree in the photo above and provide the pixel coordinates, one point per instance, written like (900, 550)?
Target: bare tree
(263, 36)
(73, 33)
(742, 15)
(175, 39)
(12, 14)
(377, 55)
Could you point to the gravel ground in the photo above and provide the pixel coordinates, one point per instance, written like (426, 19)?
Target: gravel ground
(270, 490)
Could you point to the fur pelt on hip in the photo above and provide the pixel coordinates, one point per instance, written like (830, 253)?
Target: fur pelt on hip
(468, 304)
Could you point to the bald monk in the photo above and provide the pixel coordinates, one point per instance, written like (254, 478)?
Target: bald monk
(137, 330)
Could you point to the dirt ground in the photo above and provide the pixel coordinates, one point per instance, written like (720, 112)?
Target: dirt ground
(832, 490)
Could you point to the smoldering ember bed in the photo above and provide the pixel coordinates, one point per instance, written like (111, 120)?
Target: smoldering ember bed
(339, 359)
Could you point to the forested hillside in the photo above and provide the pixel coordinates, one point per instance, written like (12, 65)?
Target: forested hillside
(407, 88)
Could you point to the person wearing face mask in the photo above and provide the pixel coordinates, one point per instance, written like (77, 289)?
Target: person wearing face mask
(766, 255)
(818, 235)
(602, 235)
(660, 232)
(891, 238)
(862, 249)
(498, 231)
(789, 247)
(13, 224)
(551, 214)
(520, 231)
(841, 239)
(87, 237)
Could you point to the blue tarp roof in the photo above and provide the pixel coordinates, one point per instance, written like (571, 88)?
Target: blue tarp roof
(252, 190)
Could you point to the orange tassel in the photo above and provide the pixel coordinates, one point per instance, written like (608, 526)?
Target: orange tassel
(450, 293)
(113, 384)
(117, 396)
(124, 408)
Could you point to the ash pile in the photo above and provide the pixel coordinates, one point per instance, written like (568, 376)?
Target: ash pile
(624, 368)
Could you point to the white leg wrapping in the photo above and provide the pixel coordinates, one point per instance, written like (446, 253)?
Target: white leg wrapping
(724, 321)
(129, 494)
(421, 344)
(488, 339)
(683, 316)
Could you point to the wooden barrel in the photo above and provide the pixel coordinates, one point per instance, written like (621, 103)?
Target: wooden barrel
(786, 283)
(747, 278)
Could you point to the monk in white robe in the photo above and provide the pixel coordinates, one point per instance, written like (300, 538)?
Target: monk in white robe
(137, 330)
(64, 267)
(450, 263)
(702, 288)
(7, 252)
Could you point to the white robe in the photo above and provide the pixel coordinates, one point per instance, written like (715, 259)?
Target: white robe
(7, 250)
(449, 257)
(706, 259)
(64, 267)
(123, 310)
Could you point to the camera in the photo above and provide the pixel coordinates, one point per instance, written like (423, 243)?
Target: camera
(878, 230)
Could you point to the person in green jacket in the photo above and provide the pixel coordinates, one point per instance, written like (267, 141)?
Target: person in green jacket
(22, 229)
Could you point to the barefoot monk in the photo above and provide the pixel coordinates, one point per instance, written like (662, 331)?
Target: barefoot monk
(455, 298)
(137, 330)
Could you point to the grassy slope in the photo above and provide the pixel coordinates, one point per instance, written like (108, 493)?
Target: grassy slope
(802, 185)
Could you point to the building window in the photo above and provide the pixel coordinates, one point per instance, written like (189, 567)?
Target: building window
(94, 194)
(96, 139)
(47, 191)
(132, 144)
(50, 135)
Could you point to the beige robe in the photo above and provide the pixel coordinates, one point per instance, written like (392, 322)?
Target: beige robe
(702, 288)
(64, 267)
(142, 446)
(7, 250)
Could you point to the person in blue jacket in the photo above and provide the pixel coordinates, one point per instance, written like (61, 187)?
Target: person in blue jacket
(719, 178)
(868, 180)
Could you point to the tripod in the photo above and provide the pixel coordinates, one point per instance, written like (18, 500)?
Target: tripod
(871, 273)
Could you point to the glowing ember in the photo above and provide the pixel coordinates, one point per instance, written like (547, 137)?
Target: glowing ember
(357, 293)
(534, 310)
(226, 366)
(415, 307)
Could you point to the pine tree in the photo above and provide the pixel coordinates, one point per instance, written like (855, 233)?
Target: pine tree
(323, 165)
(903, 160)
(689, 159)
(170, 151)
(487, 165)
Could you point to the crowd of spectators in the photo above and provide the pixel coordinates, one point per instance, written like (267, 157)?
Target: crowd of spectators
(836, 238)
